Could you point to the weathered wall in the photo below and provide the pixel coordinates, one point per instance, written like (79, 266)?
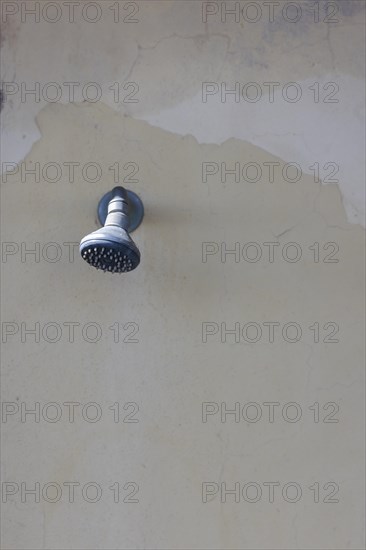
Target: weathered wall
(177, 362)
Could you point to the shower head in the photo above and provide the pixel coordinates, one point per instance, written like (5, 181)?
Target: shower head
(111, 247)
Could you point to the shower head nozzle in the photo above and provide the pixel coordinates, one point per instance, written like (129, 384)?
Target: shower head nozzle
(111, 247)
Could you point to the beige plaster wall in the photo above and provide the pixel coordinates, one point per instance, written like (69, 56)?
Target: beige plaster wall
(171, 369)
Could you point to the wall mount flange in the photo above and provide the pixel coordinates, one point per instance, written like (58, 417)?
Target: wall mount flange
(135, 209)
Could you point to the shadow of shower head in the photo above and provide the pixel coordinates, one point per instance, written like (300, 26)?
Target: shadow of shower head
(111, 247)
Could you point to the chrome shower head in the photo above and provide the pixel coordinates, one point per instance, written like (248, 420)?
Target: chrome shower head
(111, 247)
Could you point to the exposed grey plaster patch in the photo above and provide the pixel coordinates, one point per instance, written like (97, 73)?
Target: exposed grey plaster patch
(208, 52)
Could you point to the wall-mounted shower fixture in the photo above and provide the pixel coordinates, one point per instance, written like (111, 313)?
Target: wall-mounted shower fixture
(111, 248)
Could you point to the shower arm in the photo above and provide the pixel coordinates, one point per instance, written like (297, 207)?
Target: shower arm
(118, 210)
